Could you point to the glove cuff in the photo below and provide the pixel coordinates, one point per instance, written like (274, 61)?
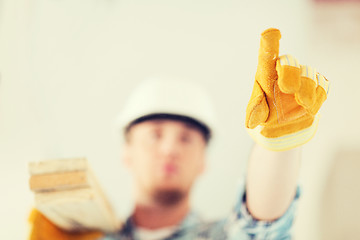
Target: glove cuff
(285, 142)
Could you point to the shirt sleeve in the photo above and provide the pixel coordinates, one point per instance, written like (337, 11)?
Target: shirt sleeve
(241, 224)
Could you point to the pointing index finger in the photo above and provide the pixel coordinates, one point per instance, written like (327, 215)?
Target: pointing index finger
(268, 54)
(269, 43)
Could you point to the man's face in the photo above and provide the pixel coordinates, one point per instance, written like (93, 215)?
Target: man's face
(165, 156)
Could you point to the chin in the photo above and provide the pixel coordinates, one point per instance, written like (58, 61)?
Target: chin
(170, 187)
(169, 196)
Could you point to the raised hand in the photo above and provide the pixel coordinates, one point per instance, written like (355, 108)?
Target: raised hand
(282, 111)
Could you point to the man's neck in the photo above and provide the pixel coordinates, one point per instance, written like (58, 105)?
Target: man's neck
(155, 216)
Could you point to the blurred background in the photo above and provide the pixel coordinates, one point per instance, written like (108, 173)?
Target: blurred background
(67, 66)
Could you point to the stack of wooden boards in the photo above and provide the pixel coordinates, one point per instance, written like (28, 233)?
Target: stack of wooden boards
(68, 194)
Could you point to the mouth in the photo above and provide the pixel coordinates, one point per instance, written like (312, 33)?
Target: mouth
(170, 169)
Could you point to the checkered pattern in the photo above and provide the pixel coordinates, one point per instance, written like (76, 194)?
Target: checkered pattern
(239, 225)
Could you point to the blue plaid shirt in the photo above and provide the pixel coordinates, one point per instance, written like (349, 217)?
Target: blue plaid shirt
(238, 225)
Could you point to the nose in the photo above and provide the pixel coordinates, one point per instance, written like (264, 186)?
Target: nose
(170, 149)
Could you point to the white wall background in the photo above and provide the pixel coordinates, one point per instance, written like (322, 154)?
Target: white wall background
(67, 67)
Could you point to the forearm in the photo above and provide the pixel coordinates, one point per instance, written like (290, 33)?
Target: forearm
(271, 182)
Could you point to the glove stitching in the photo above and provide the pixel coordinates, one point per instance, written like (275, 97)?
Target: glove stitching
(276, 95)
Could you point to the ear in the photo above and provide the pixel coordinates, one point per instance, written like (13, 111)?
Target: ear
(202, 166)
(125, 155)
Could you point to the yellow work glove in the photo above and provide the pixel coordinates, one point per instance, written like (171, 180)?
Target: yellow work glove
(282, 111)
(43, 229)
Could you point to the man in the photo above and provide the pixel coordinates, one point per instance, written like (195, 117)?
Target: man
(167, 126)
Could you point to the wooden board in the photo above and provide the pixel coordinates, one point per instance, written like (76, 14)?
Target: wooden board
(58, 166)
(59, 181)
(67, 193)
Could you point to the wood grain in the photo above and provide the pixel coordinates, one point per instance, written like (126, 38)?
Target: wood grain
(68, 193)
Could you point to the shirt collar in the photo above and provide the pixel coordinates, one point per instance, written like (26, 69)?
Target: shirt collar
(191, 219)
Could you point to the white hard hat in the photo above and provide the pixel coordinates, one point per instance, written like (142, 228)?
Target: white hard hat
(168, 96)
